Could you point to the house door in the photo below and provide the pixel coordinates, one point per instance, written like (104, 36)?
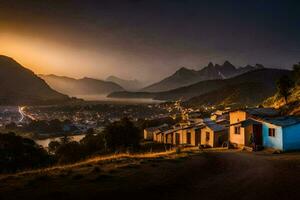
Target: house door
(197, 138)
(257, 134)
(188, 138)
(177, 138)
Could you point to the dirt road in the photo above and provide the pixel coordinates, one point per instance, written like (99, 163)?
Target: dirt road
(209, 175)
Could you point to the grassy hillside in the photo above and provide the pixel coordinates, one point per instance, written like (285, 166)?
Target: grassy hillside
(293, 106)
(186, 175)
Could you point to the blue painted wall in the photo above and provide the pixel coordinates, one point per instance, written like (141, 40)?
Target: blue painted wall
(291, 138)
(272, 142)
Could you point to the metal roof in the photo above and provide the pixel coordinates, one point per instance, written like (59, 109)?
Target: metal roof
(262, 111)
(283, 121)
(215, 127)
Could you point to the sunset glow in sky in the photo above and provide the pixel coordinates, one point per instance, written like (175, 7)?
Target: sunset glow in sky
(147, 40)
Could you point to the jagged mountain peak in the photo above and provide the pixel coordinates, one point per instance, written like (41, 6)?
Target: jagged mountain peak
(228, 65)
(185, 76)
(210, 65)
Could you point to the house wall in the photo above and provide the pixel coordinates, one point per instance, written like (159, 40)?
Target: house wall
(236, 117)
(148, 135)
(210, 142)
(159, 137)
(291, 138)
(182, 137)
(213, 137)
(220, 137)
(272, 142)
(171, 138)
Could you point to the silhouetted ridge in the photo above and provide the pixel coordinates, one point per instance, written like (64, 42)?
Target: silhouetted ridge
(20, 86)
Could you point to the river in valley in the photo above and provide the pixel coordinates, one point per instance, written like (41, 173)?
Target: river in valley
(44, 142)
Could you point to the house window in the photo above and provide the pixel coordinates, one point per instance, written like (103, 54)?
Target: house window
(272, 132)
(237, 130)
(188, 138)
(207, 136)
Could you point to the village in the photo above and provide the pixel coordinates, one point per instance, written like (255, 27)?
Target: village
(252, 129)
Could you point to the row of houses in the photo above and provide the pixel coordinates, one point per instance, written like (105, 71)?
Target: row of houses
(205, 132)
(256, 128)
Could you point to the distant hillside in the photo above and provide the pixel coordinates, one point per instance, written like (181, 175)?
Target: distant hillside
(248, 93)
(20, 86)
(84, 86)
(185, 77)
(129, 85)
(251, 87)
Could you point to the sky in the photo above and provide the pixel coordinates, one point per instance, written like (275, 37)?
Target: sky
(147, 39)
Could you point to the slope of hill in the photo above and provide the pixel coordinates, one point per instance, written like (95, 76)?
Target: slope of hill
(20, 86)
(185, 77)
(84, 86)
(129, 85)
(248, 93)
(254, 86)
(293, 106)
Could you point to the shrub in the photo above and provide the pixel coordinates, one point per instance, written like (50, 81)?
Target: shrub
(17, 153)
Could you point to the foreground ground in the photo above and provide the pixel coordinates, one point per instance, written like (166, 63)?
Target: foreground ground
(190, 175)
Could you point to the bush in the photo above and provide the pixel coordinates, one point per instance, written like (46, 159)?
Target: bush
(17, 153)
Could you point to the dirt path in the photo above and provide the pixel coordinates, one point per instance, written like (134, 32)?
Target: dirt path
(209, 175)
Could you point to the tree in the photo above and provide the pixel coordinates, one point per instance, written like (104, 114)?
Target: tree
(92, 143)
(284, 85)
(65, 139)
(69, 152)
(122, 135)
(296, 73)
(53, 146)
(17, 153)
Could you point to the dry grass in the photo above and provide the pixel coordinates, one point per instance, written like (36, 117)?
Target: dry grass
(128, 161)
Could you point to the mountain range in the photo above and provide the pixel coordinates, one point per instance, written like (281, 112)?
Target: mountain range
(20, 86)
(249, 88)
(129, 85)
(84, 86)
(185, 77)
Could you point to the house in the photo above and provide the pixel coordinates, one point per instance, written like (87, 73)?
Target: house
(219, 115)
(189, 135)
(243, 128)
(213, 134)
(263, 127)
(281, 133)
(151, 132)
